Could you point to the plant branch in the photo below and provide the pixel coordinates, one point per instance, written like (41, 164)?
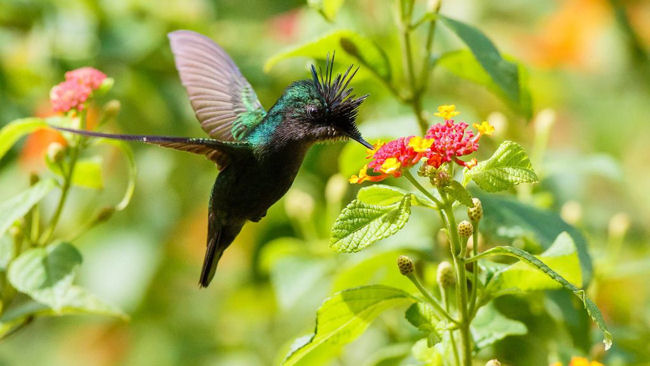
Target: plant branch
(430, 299)
(419, 187)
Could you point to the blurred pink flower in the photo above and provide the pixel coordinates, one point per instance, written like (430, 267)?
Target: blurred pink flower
(87, 76)
(68, 95)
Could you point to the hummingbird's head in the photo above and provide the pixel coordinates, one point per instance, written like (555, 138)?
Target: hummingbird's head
(325, 109)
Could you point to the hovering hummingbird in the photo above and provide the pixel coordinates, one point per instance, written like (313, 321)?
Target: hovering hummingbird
(258, 153)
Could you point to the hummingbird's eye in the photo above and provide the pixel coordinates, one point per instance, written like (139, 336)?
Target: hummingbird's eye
(311, 110)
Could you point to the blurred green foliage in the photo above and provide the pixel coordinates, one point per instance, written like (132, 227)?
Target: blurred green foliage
(270, 283)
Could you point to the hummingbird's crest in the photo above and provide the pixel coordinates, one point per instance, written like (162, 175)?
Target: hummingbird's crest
(339, 103)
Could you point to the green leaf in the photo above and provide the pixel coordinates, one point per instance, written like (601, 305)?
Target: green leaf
(345, 316)
(354, 47)
(421, 316)
(328, 8)
(459, 193)
(507, 167)
(18, 206)
(561, 257)
(531, 260)
(507, 219)
(463, 64)
(88, 173)
(504, 73)
(490, 326)
(361, 224)
(46, 275)
(383, 195)
(13, 131)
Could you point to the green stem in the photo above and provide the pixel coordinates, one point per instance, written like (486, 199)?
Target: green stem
(415, 98)
(428, 47)
(475, 284)
(461, 283)
(67, 182)
(430, 299)
(445, 299)
(418, 186)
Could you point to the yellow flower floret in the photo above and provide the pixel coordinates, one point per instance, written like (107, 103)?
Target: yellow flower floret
(447, 111)
(418, 144)
(376, 146)
(390, 166)
(484, 128)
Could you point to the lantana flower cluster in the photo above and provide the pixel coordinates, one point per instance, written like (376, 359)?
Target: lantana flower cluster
(72, 93)
(443, 143)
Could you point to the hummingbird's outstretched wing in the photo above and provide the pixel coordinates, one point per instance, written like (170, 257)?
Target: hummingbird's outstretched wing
(220, 152)
(224, 102)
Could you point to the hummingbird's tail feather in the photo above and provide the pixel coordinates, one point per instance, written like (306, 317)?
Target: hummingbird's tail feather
(214, 150)
(219, 238)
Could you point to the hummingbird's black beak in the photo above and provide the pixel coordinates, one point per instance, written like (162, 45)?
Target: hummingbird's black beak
(363, 142)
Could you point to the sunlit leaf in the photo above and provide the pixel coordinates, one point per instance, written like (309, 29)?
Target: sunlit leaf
(18, 206)
(463, 64)
(506, 218)
(351, 46)
(562, 257)
(345, 315)
(507, 167)
(383, 195)
(531, 260)
(504, 73)
(361, 224)
(46, 275)
(14, 130)
(328, 8)
(490, 326)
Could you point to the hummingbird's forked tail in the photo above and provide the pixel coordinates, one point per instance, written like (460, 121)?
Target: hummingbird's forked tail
(219, 238)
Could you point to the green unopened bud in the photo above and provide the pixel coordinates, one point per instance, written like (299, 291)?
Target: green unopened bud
(426, 170)
(105, 86)
(405, 265)
(470, 243)
(33, 178)
(494, 362)
(16, 232)
(465, 229)
(112, 108)
(55, 152)
(475, 213)
(440, 179)
(105, 214)
(445, 275)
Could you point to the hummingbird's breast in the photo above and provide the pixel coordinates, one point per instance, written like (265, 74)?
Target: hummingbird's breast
(249, 186)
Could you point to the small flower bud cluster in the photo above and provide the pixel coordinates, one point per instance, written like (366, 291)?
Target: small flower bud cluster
(55, 152)
(475, 213)
(465, 229)
(445, 274)
(494, 362)
(405, 265)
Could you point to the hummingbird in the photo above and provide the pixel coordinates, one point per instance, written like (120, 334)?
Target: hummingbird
(258, 153)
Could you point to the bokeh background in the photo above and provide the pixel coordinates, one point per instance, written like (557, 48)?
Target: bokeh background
(589, 77)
